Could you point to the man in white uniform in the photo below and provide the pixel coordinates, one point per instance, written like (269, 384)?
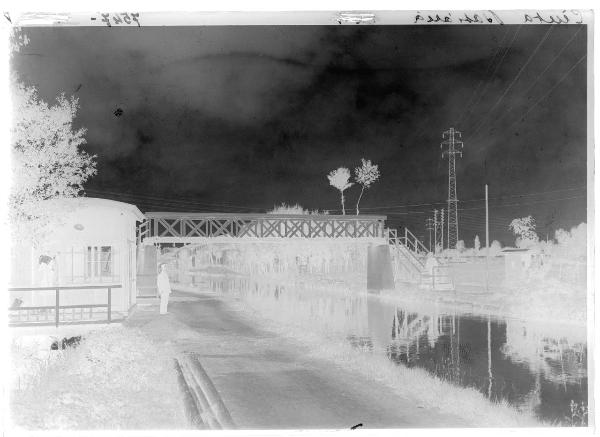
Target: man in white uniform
(164, 288)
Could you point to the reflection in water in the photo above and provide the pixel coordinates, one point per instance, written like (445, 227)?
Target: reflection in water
(531, 367)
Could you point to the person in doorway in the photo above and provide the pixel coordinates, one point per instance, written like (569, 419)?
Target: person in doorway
(164, 288)
(431, 263)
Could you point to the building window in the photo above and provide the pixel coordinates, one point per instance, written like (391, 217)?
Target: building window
(88, 264)
(99, 263)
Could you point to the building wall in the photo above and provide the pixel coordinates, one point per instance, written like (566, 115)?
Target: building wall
(93, 245)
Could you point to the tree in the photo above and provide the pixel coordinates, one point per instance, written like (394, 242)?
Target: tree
(571, 245)
(340, 179)
(365, 175)
(495, 248)
(524, 229)
(47, 163)
(477, 244)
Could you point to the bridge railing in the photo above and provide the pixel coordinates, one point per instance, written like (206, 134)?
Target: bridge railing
(413, 243)
(172, 225)
(409, 240)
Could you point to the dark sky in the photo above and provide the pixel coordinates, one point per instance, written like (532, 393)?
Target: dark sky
(238, 118)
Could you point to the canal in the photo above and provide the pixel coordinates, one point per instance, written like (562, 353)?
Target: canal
(537, 368)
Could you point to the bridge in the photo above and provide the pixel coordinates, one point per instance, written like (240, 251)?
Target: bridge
(173, 227)
(403, 253)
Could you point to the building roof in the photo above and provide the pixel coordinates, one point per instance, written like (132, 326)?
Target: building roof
(512, 249)
(107, 203)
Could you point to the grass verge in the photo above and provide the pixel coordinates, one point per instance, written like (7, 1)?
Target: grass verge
(115, 379)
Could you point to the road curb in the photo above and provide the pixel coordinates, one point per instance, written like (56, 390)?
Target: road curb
(189, 402)
(209, 407)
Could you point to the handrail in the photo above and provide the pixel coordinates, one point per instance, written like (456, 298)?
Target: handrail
(57, 307)
(66, 287)
(242, 216)
(416, 242)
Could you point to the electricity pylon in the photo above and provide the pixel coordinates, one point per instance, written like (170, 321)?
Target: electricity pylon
(450, 139)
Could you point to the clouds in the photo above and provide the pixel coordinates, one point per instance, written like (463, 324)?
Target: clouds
(258, 114)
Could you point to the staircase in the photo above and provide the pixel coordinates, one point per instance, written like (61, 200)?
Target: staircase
(410, 255)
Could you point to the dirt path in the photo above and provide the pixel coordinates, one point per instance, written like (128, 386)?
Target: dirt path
(268, 382)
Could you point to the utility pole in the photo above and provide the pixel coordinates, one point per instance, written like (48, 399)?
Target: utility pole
(442, 229)
(487, 238)
(450, 140)
(435, 228)
(429, 227)
(487, 221)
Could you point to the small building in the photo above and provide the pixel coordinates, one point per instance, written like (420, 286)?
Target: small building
(92, 244)
(518, 263)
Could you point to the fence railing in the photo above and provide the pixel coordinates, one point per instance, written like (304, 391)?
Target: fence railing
(57, 306)
(166, 226)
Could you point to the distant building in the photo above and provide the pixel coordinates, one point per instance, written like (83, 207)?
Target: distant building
(94, 243)
(518, 263)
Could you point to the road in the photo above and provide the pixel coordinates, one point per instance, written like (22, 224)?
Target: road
(268, 382)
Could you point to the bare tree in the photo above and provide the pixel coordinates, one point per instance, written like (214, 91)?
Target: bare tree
(340, 179)
(366, 175)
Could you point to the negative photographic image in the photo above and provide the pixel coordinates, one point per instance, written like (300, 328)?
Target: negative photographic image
(300, 220)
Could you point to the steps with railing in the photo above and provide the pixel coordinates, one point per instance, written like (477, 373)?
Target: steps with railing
(410, 259)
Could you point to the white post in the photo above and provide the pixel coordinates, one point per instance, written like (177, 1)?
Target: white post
(489, 351)
(487, 239)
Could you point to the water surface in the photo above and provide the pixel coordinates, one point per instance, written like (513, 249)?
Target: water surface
(536, 368)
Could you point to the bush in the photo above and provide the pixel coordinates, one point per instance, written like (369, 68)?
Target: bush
(571, 245)
(495, 248)
(296, 209)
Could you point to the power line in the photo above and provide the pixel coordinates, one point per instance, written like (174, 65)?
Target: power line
(528, 203)
(497, 66)
(467, 106)
(171, 200)
(493, 206)
(508, 111)
(549, 91)
(507, 89)
(471, 200)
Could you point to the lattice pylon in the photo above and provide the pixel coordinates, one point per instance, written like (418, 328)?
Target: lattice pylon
(450, 140)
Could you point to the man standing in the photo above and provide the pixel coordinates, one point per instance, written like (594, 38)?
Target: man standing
(164, 288)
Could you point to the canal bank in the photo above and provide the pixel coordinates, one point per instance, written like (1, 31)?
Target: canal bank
(268, 381)
(269, 377)
(535, 368)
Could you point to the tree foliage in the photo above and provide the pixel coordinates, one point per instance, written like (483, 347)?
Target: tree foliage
(365, 175)
(47, 162)
(524, 229)
(571, 244)
(340, 179)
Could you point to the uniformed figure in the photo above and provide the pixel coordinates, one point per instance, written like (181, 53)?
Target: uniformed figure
(164, 288)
